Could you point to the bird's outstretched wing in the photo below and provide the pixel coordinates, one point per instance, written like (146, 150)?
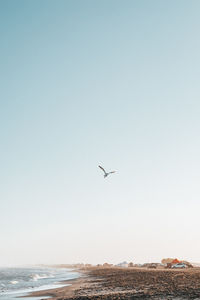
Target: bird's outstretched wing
(112, 172)
(102, 169)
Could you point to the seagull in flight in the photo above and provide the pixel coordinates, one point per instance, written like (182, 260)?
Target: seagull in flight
(105, 173)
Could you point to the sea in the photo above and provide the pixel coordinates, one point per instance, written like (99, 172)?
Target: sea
(18, 282)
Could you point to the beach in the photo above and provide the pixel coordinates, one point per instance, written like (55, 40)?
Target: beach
(20, 281)
(129, 283)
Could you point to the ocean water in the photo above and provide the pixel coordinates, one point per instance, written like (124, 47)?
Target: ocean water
(16, 282)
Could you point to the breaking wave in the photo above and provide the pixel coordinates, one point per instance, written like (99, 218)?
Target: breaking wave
(36, 277)
(14, 282)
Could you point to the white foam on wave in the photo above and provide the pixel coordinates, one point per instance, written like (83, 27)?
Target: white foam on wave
(14, 282)
(27, 291)
(37, 277)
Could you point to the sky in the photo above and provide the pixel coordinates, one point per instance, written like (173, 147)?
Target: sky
(107, 82)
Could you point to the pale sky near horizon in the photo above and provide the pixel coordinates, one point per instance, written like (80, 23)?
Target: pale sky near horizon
(104, 82)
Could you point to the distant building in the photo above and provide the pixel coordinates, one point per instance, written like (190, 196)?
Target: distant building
(123, 264)
(175, 261)
(106, 265)
(130, 265)
(88, 265)
(166, 261)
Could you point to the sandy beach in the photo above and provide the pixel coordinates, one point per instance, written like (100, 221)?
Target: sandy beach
(129, 283)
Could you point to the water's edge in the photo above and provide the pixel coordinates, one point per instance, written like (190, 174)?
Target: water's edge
(18, 283)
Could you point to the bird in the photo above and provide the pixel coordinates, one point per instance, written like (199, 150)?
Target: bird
(105, 173)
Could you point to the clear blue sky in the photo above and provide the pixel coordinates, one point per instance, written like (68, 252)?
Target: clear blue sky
(99, 82)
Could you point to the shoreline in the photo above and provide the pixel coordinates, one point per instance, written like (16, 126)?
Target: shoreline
(128, 283)
(67, 290)
(49, 288)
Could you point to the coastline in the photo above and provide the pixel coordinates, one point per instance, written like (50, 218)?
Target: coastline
(17, 282)
(67, 291)
(128, 283)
